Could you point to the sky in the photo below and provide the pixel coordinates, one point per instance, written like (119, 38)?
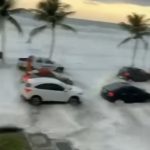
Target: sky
(101, 10)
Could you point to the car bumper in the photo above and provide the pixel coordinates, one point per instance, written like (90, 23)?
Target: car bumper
(110, 99)
(23, 98)
(122, 77)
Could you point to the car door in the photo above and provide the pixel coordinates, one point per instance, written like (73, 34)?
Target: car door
(43, 91)
(140, 75)
(49, 64)
(57, 93)
(52, 92)
(124, 94)
(37, 63)
(133, 94)
(138, 95)
(143, 75)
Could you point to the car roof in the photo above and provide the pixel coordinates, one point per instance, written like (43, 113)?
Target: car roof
(43, 80)
(43, 59)
(116, 85)
(131, 69)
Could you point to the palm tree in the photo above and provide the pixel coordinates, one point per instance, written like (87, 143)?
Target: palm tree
(53, 12)
(138, 28)
(5, 11)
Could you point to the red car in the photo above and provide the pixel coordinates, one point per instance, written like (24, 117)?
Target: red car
(45, 73)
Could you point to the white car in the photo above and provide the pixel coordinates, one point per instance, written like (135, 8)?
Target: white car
(38, 90)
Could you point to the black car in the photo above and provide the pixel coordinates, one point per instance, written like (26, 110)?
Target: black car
(134, 74)
(125, 92)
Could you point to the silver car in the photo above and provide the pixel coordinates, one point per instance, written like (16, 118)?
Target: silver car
(38, 63)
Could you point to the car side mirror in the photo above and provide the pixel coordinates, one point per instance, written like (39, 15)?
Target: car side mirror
(66, 90)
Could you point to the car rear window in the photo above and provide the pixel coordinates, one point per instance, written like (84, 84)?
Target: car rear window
(124, 69)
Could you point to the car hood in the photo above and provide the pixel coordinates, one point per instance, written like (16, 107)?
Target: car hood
(76, 89)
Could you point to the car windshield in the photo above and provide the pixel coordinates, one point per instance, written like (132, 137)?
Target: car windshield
(47, 61)
(124, 69)
(67, 86)
(39, 60)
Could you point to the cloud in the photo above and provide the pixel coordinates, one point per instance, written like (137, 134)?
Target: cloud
(138, 2)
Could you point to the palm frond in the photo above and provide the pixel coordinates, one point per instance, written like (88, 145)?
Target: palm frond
(8, 4)
(42, 5)
(49, 6)
(36, 31)
(54, 10)
(125, 26)
(145, 33)
(125, 41)
(65, 6)
(135, 19)
(60, 16)
(15, 23)
(2, 2)
(68, 27)
(146, 20)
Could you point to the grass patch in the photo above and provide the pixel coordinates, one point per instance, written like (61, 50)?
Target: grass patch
(13, 141)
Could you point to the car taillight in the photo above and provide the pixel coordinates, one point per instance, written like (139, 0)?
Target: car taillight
(126, 74)
(26, 77)
(111, 94)
(28, 90)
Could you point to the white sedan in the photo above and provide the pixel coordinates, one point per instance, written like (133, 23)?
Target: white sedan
(38, 90)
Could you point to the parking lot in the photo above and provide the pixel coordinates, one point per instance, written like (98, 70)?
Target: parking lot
(94, 120)
(55, 119)
(94, 125)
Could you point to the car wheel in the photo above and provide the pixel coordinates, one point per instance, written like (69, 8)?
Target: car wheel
(74, 101)
(36, 100)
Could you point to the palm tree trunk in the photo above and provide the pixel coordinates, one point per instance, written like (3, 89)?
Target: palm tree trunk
(3, 39)
(52, 43)
(134, 52)
(145, 52)
(144, 58)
